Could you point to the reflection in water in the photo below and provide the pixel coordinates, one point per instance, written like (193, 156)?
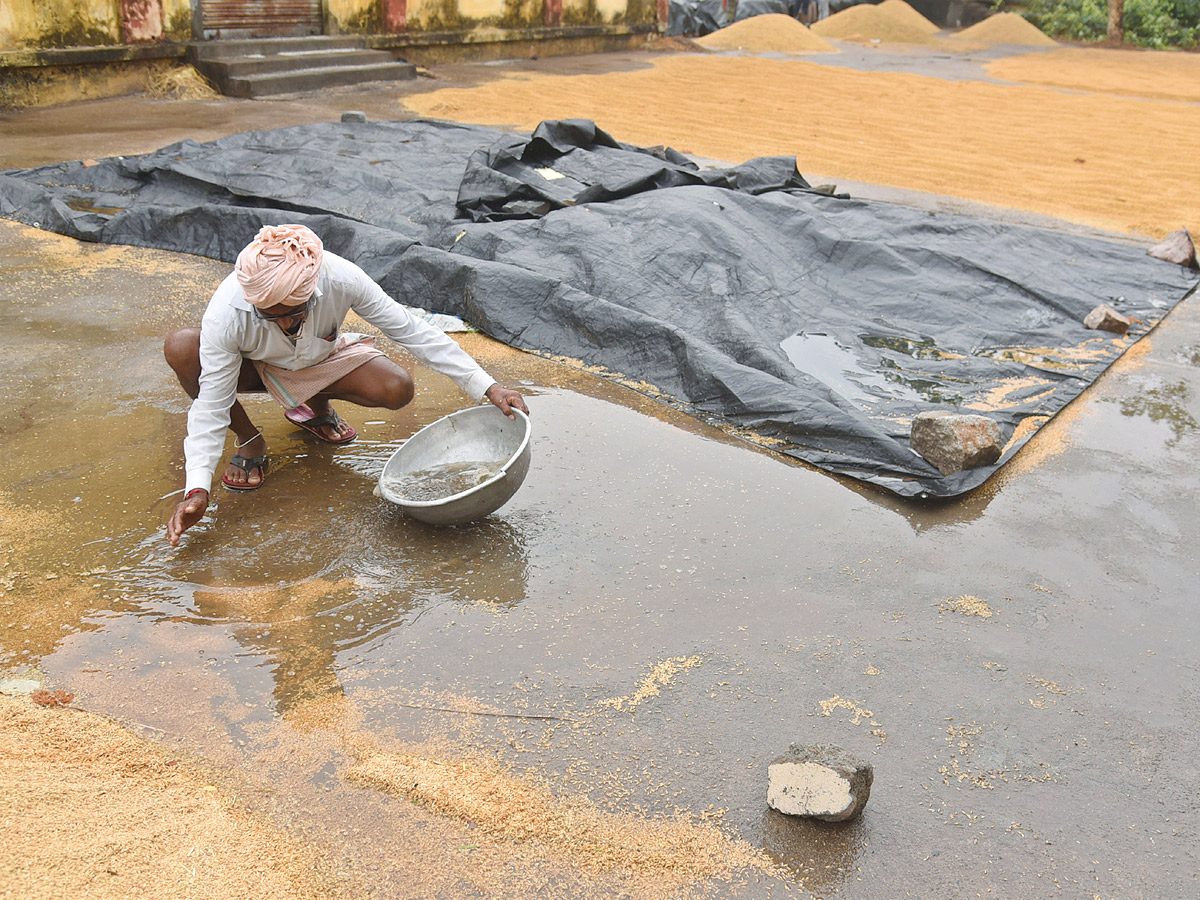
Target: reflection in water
(1165, 403)
(895, 370)
(88, 204)
(835, 366)
(299, 627)
(818, 854)
(924, 348)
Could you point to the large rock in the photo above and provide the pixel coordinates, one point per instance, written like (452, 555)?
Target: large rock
(820, 781)
(1176, 247)
(1105, 318)
(954, 441)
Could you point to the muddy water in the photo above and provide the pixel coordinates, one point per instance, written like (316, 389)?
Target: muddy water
(1046, 750)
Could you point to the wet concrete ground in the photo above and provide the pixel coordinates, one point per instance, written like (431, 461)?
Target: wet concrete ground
(1044, 750)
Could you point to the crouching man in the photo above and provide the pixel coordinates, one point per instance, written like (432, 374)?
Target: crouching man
(274, 325)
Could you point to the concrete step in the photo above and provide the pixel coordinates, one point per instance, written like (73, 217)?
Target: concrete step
(255, 47)
(276, 63)
(272, 84)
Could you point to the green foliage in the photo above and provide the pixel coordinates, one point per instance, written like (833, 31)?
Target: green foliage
(1148, 23)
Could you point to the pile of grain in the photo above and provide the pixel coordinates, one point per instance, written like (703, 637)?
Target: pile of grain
(870, 23)
(774, 33)
(1006, 28)
(902, 12)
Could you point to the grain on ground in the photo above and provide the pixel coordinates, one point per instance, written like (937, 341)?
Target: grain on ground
(1150, 74)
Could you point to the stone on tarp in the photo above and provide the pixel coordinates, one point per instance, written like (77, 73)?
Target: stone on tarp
(1176, 247)
(955, 441)
(354, 115)
(1105, 318)
(820, 781)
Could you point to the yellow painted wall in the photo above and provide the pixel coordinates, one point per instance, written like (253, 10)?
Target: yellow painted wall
(610, 9)
(481, 9)
(345, 10)
(58, 23)
(177, 19)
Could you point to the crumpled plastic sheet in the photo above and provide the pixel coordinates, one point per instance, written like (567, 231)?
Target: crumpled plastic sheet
(695, 17)
(816, 324)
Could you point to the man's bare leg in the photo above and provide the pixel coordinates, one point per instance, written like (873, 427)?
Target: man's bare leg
(377, 383)
(182, 351)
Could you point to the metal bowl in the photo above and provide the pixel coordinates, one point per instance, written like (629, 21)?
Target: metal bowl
(481, 434)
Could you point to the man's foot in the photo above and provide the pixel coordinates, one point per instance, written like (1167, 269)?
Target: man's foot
(247, 473)
(320, 419)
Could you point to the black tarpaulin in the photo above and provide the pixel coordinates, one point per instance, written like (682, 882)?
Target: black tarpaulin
(748, 9)
(698, 17)
(820, 324)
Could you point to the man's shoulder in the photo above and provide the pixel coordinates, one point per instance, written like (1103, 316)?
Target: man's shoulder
(345, 278)
(339, 268)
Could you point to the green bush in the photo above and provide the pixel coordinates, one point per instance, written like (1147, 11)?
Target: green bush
(1148, 23)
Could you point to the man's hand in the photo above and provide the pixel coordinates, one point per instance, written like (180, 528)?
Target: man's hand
(506, 401)
(187, 513)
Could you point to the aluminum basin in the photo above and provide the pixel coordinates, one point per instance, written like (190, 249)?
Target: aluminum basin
(481, 434)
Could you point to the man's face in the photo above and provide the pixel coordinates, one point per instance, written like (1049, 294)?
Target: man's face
(288, 318)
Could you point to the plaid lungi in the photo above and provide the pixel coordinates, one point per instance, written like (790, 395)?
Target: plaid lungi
(292, 388)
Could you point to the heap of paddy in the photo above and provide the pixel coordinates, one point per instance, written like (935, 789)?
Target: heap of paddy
(1006, 28)
(771, 33)
(873, 23)
(902, 12)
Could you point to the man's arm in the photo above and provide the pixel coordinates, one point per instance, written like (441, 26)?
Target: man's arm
(431, 345)
(208, 419)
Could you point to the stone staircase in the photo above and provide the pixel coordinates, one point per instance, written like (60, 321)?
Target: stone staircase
(265, 67)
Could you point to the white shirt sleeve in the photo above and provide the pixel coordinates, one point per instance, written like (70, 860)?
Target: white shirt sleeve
(430, 345)
(208, 419)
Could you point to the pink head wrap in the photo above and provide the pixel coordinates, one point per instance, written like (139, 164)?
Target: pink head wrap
(280, 266)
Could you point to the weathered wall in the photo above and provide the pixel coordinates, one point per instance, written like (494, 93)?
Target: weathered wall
(59, 23)
(371, 16)
(46, 24)
(177, 20)
(42, 24)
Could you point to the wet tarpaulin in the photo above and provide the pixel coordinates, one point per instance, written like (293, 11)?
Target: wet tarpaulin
(819, 324)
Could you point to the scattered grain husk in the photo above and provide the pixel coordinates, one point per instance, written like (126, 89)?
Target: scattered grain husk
(1006, 28)
(509, 808)
(968, 605)
(661, 674)
(870, 23)
(839, 702)
(774, 33)
(180, 83)
(1152, 74)
(901, 11)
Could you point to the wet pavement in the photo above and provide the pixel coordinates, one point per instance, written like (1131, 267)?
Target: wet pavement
(1033, 739)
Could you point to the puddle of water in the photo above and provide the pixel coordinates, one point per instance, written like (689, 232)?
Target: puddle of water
(840, 369)
(87, 204)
